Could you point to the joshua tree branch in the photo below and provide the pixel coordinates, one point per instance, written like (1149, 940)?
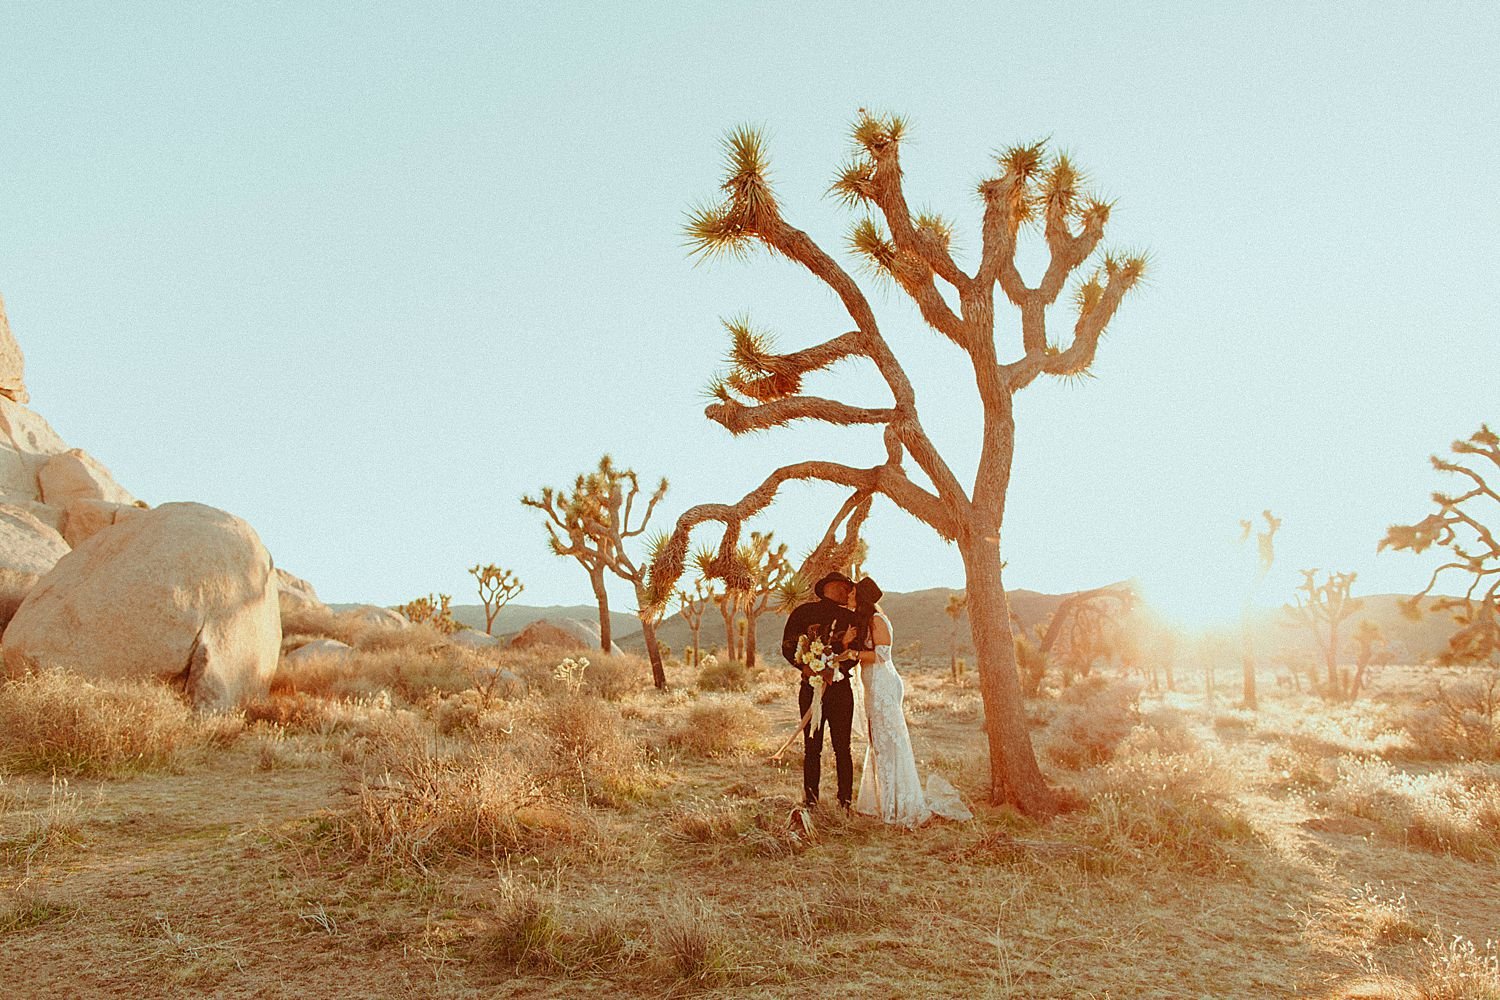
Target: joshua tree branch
(739, 418)
(888, 194)
(885, 479)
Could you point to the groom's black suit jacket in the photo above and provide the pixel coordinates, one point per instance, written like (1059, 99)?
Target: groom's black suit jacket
(831, 621)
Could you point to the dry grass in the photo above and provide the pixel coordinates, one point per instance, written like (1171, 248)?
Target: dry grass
(418, 804)
(1094, 716)
(716, 727)
(403, 839)
(54, 722)
(1456, 812)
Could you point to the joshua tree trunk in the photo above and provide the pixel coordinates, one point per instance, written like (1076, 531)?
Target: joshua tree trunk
(1017, 780)
(1249, 663)
(697, 650)
(750, 617)
(653, 651)
(727, 611)
(602, 597)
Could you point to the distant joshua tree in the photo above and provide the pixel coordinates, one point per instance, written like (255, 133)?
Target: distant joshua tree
(1370, 649)
(691, 606)
(957, 606)
(1323, 608)
(592, 524)
(767, 568)
(1467, 524)
(431, 611)
(497, 588)
(764, 388)
(1265, 556)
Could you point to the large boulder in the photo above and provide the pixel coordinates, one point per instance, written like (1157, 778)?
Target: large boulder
(296, 594)
(27, 442)
(184, 593)
(12, 363)
(77, 475)
(86, 517)
(379, 616)
(562, 633)
(320, 649)
(29, 548)
(473, 639)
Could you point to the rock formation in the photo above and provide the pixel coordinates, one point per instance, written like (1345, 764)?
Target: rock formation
(29, 548)
(12, 363)
(561, 633)
(185, 593)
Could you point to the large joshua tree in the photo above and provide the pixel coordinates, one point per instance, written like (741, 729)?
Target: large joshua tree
(764, 389)
(1467, 525)
(593, 524)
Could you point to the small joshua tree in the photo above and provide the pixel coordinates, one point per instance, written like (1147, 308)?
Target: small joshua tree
(957, 606)
(1370, 649)
(497, 588)
(431, 611)
(1323, 608)
(1265, 556)
(766, 568)
(1028, 190)
(691, 606)
(1467, 525)
(592, 524)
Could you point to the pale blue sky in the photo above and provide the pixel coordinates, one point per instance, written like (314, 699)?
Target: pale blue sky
(363, 274)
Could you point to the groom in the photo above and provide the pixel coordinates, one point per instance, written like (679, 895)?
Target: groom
(827, 618)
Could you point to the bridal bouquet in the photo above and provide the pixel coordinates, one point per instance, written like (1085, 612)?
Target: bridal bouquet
(814, 654)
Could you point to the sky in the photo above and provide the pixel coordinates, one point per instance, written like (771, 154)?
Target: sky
(364, 275)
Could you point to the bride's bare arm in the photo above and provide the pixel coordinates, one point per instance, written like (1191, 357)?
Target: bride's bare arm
(882, 637)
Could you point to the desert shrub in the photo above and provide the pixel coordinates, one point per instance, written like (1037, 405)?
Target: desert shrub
(1455, 969)
(1161, 731)
(1093, 717)
(715, 728)
(1459, 721)
(1446, 813)
(706, 822)
(471, 712)
(1175, 809)
(59, 722)
(575, 743)
(39, 832)
(25, 910)
(722, 675)
(609, 676)
(417, 804)
(691, 940)
(411, 673)
(434, 612)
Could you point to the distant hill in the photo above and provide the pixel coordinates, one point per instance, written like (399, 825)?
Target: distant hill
(514, 617)
(920, 619)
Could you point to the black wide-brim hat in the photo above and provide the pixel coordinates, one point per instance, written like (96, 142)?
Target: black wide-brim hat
(867, 591)
(834, 577)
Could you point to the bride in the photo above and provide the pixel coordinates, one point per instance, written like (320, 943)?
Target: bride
(889, 787)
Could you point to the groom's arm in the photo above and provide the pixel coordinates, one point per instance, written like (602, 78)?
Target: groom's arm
(789, 635)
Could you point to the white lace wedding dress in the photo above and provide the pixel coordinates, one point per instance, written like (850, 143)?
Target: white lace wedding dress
(889, 787)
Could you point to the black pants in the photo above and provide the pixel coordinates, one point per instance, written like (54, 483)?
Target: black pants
(838, 717)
